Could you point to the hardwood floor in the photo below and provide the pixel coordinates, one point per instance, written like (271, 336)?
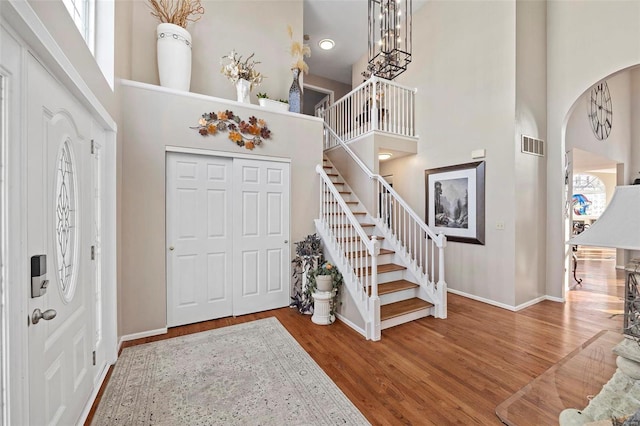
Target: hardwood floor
(453, 371)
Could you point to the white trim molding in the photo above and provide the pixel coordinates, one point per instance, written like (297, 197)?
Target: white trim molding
(141, 335)
(504, 305)
(212, 153)
(352, 325)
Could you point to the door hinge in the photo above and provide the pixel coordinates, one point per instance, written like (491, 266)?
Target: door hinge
(94, 357)
(93, 252)
(93, 147)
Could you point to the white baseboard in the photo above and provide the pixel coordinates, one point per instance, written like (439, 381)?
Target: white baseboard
(504, 305)
(352, 325)
(140, 335)
(94, 394)
(555, 299)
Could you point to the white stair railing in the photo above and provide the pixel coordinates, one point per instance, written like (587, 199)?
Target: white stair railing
(421, 247)
(375, 105)
(357, 251)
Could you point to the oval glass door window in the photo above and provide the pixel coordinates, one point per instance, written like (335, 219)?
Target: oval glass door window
(66, 222)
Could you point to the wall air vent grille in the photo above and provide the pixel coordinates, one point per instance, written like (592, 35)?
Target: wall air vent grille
(532, 146)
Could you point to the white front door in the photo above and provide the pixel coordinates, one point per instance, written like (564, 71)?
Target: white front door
(261, 236)
(227, 237)
(59, 225)
(199, 237)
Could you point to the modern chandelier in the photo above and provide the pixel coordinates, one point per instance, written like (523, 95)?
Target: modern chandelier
(389, 38)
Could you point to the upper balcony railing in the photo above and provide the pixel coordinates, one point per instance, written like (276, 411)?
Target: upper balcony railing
(375, 105)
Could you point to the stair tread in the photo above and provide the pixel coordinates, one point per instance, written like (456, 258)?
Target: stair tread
(333, 174)
(348, 202)
(363, 252)
(402, 307)
(387, 267)
(351, 212)
(393, 286)
(364, 225)
(358, 238)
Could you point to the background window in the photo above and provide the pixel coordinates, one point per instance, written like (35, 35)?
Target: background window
(593, 190)
(83, 14)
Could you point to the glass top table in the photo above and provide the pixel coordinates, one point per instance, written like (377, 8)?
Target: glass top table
(568, 384)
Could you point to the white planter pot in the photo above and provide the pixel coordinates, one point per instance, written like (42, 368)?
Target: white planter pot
(243, 91)
(174, 56)
(324, 282)
(275, 105)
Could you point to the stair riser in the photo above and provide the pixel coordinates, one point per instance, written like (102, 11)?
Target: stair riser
(382, 259)
(397, 296)
(392, 322)
(386, 277)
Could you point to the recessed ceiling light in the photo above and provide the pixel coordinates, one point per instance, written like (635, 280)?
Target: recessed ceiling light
(384, 156)
(326, 44)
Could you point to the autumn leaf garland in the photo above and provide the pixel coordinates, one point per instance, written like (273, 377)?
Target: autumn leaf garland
(243, 133)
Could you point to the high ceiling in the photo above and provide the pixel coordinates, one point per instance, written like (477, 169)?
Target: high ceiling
(345, 22)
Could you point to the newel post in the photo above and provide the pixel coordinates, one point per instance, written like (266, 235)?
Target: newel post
(374, 300)
(441, 310)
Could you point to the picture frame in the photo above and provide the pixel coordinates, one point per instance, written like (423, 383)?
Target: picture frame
(455, 201)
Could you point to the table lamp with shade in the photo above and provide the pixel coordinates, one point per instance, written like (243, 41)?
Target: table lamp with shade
(619, 227)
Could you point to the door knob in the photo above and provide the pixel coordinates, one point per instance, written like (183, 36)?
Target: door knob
(286, 241)
(171, 248)
(47, 315)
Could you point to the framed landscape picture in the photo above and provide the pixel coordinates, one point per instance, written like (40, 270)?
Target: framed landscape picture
(455, 201)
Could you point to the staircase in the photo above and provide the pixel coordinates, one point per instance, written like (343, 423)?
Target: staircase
(391, 261)
(397, 288)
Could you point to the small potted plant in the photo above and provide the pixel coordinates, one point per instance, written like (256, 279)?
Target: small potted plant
(324, 286)
(279, 105)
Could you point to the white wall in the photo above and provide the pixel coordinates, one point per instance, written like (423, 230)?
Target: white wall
(587, 41)
(339, 89)
(248, 26)
(464, 70)
(149, 126)
(531, 102)
(579, 134)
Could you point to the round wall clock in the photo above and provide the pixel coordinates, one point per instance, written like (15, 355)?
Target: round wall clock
(600, 112)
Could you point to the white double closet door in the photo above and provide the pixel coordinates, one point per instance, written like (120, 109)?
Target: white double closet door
(227, 236)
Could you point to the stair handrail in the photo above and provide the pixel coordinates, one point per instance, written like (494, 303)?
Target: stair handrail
(417, 250)
(376, 104)
(440, 239)
(372, 245)
(355, 265)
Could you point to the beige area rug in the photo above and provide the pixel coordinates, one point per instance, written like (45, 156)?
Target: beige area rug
(247, 374)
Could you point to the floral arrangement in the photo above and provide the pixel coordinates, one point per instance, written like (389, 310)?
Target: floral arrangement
(243, 133)
(234, 68)
(298, 52)
(178, 12)
(310, 246)
(337, 280)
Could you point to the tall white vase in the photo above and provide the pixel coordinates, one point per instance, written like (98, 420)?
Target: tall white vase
(243, 90)
(174, 56)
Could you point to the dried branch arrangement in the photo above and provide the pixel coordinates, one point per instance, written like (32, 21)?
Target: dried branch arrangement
(178, 12)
